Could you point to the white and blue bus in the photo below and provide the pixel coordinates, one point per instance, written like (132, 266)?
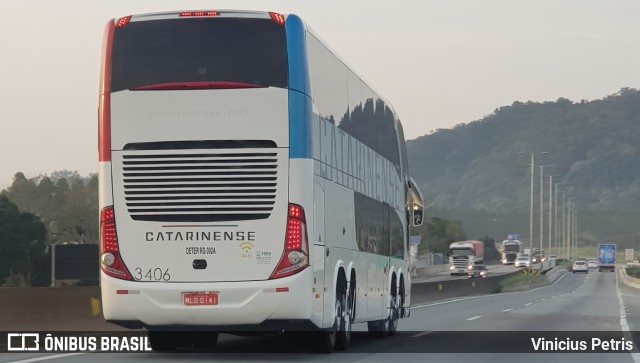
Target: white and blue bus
(249, 180)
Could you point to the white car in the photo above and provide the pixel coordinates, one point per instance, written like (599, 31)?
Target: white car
(580, 266)
(592, 264)
(522, 262)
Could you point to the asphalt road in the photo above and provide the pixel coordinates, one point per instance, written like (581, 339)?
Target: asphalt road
(584, 303)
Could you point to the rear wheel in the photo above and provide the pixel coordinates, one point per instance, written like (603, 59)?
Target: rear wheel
(377, 328)
(392, 321)
(344, 334)
(327, 338)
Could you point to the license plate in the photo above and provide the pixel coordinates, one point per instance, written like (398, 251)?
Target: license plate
(199, 298)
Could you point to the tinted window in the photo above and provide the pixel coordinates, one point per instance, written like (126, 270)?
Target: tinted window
(397, 235)
(403, 149)
(249, 51)
(346, 101)
(378, 228)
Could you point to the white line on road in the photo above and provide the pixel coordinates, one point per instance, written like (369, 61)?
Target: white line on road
(475, 317)
(37, 359)
(507, 310)
(542, 300)
(421, 334)
(623, 318)
(527, 304)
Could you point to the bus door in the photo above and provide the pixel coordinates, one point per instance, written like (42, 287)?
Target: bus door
(318, 239)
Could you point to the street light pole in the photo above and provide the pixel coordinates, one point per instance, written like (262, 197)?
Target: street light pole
(575, 227)
(531, 206)
(565, 252)
(569, 235)
(542, 207)
(555, 216)
(550, 211)
(532, 172)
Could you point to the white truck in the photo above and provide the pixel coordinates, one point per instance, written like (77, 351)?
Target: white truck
(463, 254)
(510, 251)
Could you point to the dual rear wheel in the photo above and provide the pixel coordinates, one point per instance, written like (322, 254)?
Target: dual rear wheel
(339, 335)
(388, 326)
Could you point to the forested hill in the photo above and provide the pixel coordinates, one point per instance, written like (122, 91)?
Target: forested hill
(483, 166)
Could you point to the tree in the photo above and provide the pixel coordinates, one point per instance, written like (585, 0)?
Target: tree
(438, 233)
(22, 238)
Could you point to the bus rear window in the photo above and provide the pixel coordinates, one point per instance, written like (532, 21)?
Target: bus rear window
(236, 50)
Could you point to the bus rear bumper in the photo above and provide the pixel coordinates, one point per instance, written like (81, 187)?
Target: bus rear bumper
(246, 303)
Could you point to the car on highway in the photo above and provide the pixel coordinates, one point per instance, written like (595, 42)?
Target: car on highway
(592, 264)
(580, 266)
(477, 271)
(537, 259)
(521, 262)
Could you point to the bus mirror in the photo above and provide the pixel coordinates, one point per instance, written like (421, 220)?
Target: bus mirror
(417, 215)
(416, 203)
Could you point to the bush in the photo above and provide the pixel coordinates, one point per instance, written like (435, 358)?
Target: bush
(633, 271)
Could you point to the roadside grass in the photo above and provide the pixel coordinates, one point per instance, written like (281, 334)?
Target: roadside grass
(523, 280)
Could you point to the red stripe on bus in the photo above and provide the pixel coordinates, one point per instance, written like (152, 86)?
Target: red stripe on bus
(104, 102)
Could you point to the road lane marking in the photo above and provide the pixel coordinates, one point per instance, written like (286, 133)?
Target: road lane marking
(623, 318)
(542, 300)
(48, 357)
(527, 304)
(421, 334)
(475, 317)
(507, 310)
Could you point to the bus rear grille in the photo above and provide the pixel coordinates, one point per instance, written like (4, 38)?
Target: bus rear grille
(200, 187)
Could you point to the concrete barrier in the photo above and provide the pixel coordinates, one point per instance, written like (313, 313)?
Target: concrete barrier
(555, 273)
(423, 292)
(628, 280)
(421, 271)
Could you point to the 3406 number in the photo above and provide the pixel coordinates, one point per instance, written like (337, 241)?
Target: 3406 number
(152, 274)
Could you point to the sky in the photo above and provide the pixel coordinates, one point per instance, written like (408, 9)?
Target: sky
(447, 61)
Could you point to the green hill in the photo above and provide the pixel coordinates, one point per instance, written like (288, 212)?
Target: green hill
(479, 172)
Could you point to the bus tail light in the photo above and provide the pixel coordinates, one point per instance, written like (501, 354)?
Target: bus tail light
(278, 18)
(110, 261)
(123, 21)
(295, 257)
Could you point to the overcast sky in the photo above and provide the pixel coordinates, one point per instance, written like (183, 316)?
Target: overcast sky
(446, 61)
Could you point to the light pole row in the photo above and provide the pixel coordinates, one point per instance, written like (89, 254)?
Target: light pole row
(566, 238)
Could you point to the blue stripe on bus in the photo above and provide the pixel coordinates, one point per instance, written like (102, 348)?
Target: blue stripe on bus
(300, 114)
(297, 50)
(300, 110)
